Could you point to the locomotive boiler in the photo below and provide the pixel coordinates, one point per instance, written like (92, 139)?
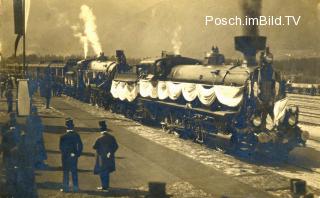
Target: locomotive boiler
(195, 98)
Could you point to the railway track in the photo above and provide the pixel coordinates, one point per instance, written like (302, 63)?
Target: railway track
(309, 107)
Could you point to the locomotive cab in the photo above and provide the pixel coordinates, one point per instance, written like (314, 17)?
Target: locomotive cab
(161, 67)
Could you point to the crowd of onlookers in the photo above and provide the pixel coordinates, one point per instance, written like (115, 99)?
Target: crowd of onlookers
(22, 146)
(23, 149)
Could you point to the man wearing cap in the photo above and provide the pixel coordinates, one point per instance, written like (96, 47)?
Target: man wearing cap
(105, 146)
(71, 149)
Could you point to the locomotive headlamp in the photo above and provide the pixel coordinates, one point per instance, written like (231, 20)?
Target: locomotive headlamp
(292, 120)
(257, 121)
(264, 138)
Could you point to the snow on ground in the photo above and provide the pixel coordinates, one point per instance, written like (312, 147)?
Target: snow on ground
(241, 170)
(313, 130)
(174, 190)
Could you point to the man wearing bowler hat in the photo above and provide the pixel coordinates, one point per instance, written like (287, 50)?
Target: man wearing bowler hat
(71, 149)
(105, 146)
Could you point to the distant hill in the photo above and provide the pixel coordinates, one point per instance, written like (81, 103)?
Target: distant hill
(304, 70)
(145, 27)
(151, 31)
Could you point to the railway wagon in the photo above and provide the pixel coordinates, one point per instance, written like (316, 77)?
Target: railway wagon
(303, 88)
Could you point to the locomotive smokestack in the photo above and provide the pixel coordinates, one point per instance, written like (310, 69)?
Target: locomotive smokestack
(249, 46)
(251, 9)
(251, 43)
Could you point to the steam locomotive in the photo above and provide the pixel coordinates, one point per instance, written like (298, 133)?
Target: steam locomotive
(197, 98)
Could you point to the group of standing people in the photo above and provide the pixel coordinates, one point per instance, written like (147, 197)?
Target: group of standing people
(47, 89)
(71, 149)
(23, 148)
(23, 151)
(6, 89)
(49, 86)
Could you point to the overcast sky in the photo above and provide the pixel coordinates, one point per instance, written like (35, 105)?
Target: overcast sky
(145, 27)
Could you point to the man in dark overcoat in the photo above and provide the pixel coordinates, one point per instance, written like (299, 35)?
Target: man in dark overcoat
(33, 86)
(35, 130)
(26, 182)
(9, 147)
(9, 84)
(2, 88)
(71, 149)
(105, 146)
(47, 87)
(9, 97)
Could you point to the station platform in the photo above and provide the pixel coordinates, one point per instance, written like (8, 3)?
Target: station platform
(138, 161)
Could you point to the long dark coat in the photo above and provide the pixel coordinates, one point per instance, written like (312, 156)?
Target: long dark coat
(104, 145)
(9, 95)
(10, 141)
(70, 143)
(35, 130)
(47, 85)
(47, 88)
(26, 186)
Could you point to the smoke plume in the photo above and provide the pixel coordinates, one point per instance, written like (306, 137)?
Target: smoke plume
(176, 41)
(318, 9)
(84, 41)
(90, 29)
(82, 38)
(251, 9)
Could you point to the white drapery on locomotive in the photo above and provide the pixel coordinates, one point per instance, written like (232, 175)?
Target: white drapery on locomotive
(230, 96)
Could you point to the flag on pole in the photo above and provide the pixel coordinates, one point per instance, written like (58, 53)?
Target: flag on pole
(21, 10)
(21, 13)
(18, 17)
(18, 22)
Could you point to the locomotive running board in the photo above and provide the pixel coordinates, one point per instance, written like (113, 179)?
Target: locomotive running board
(216, 113)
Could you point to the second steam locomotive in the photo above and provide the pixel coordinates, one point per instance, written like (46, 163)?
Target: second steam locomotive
(197, 98)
